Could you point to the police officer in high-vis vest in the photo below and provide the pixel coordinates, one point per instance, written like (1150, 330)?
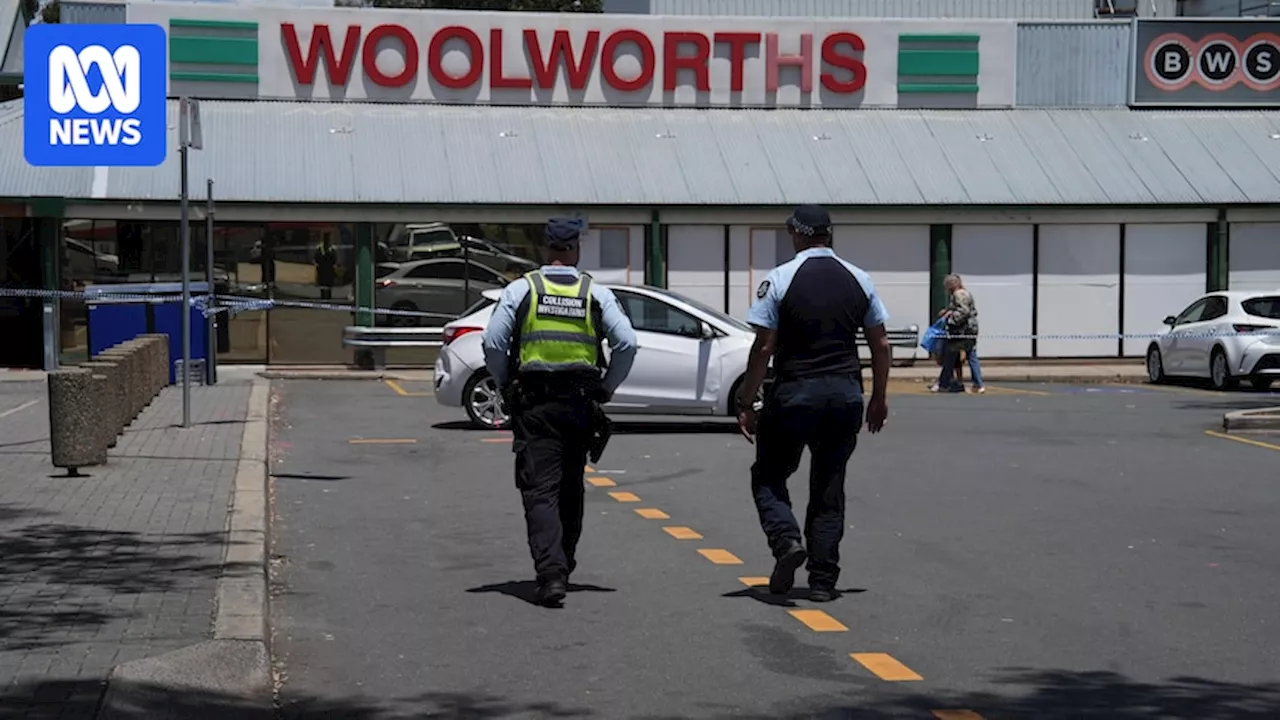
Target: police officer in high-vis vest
(543, 348)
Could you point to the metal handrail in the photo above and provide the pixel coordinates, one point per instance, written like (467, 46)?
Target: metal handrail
(386, 337)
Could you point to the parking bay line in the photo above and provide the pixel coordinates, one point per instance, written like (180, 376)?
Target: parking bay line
(818, 621)
(682, 533)
(885, 667)
(1246, 441)
(21, 407)
(720, 557)
(405, 393)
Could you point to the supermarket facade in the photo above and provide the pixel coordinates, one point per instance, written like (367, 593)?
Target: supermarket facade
(1086, 178)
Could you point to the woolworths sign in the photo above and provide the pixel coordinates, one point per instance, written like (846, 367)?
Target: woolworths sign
(578, 59)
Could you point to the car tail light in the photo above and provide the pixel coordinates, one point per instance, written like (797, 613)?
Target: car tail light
(384, 283)
(1243, 328)
(453, 333)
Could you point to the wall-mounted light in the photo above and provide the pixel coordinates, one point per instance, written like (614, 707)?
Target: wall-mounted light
(1139, 137)
(983, 137)
(508, 134)
(665, 136)
(822, 136)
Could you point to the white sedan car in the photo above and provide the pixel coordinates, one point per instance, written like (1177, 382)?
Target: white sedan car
(1222, 336)
(690, 360)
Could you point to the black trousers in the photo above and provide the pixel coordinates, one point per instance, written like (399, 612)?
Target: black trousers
(550, 440)
(822, 413)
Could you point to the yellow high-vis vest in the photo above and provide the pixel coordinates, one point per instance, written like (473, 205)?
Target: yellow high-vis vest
(558, 332)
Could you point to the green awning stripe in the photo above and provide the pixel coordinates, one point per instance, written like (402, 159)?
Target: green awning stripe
(213, 77)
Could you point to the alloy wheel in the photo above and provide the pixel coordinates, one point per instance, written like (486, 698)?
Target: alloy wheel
(486, 403)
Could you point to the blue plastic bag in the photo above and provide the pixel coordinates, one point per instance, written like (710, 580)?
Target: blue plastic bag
(934, 336)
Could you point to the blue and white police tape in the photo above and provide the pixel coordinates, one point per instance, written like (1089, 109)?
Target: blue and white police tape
(235, 304)
(208, 304)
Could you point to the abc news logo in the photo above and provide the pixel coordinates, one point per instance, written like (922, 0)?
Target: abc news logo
(1216, 62)
(69, 92)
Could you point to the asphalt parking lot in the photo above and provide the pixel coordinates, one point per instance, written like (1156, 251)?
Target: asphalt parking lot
(1036, 552)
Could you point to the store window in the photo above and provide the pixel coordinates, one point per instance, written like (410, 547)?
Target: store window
(615, 248)
(307, 269)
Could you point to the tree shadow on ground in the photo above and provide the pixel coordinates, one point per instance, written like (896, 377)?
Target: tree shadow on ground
(1020, 693)
(81, 699)
(1066, 695)
(62, 580)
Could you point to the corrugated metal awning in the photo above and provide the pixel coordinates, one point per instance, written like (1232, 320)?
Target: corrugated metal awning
(309, 152)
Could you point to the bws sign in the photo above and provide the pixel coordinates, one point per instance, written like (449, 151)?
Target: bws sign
(585, 59)
(1217, 63)
(95, 95)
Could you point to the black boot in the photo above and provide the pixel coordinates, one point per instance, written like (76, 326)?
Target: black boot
(551, 592)
(789, 560)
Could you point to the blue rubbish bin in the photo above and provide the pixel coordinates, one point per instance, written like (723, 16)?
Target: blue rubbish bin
(113, 320)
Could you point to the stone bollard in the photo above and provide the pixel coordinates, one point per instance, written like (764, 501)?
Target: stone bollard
(113, 421)
(124, 355)
(75, 419)
(161, 361)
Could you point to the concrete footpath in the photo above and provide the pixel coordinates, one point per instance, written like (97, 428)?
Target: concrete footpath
(122, 593)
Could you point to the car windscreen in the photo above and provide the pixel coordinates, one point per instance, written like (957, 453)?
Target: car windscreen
(1267, 307)
(717, 314)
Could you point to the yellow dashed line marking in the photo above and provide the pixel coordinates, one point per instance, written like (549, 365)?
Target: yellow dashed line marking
(956, 715)
(682, 533)
(652, 514)
(382, 441)
(1001, 390)
(588, 468)
(601, 482)
(624, 496)
(405, 393)
(1246, 441)
(720, 557)
(754, 581)
(885, 667)
(818, 621)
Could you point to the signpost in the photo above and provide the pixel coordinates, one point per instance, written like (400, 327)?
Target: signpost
(211, 325)
(189, 135)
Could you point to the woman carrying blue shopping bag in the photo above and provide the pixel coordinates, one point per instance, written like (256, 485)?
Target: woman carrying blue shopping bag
(961, 319)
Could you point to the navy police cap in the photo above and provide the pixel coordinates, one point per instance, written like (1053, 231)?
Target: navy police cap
(810, 220)
(563, 232)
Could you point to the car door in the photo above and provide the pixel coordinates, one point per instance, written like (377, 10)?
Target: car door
(1176, 350)
(673, 361)
(1198, 336)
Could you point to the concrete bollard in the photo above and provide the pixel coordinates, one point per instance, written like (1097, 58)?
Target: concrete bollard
(75, 419)
(161, 361)
(127, 358)
(113, 421)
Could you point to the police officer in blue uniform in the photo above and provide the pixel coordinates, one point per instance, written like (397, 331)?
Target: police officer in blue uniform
(543, 348)
(807, 317)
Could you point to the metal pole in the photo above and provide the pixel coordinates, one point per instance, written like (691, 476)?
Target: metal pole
(211, 325)
(466, 274)
(186, 271)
